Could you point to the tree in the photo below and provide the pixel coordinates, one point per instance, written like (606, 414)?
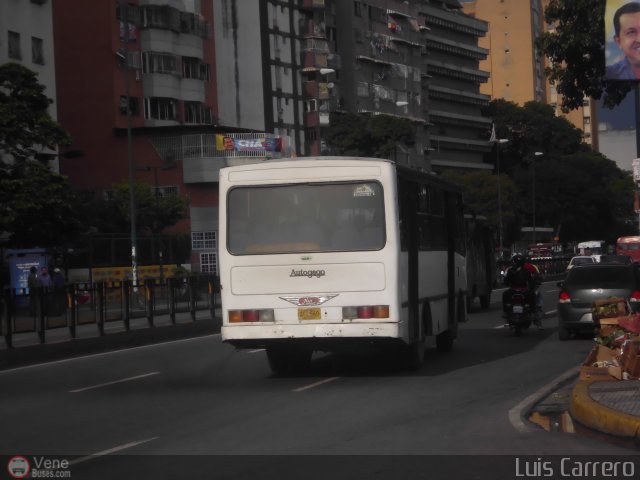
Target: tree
(579, 191)
(26, 127)
(37, 207)
(363, 135)
(153, 214)
(480, 195)
(575, 48)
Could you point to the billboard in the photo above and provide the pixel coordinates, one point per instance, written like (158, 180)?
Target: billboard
(622, 37)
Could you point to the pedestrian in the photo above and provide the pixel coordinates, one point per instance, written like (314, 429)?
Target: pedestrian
(32, 287)
(58, 278)
(44, 279)
(60, 296)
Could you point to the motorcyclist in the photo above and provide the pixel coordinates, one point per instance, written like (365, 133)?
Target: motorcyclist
(519, 279)
(537, 279)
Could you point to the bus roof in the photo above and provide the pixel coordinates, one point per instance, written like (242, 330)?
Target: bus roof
(591, 244)
(324, 161)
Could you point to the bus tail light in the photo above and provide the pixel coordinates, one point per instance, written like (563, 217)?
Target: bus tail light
(253, 315)
(365, 311)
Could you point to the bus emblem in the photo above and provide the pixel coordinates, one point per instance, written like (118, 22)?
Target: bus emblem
(308, 301)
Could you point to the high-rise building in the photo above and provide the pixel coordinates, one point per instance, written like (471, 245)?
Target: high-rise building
(516, 68)
(459, 134)
(318, 57)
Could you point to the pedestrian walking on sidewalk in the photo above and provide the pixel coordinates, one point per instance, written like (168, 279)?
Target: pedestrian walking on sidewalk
(33, 285)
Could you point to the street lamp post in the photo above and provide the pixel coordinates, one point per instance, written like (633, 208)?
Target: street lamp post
(124, 58)
(155, 169)
(533, 189)
(324, 72)
(498, 142)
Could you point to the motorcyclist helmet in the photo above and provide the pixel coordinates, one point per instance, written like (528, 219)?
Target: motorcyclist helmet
(517, 260)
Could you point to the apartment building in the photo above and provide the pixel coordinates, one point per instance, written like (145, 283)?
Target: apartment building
(516, 69)
(26, 37)
(459, 134)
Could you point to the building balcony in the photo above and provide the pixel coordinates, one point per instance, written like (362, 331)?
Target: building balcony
(458, 96)
(449, 118)
(454, 21)
(442, 142)
(319, 90)
(455, 71)
(312, 4)
(312, 29)
(314, 61)
(435, 42)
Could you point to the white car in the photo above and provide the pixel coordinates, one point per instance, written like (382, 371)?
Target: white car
(580, 260)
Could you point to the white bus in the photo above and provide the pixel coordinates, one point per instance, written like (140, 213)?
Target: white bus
(337, 253)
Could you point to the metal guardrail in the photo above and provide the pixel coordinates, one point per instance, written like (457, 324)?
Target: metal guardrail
(100, 303)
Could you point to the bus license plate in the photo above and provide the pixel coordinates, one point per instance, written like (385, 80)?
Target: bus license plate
(309, 314)
(518, 309)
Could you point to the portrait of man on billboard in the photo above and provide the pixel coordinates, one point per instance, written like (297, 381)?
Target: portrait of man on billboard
(622, 40)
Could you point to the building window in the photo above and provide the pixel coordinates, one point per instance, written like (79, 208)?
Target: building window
(14, 46)
(357, 9)
(166, 191)
(160, 108)
(203, 240)
(36, 51)
(133, 105)
(159, 63)
(208, 263)
(196, 112)
(194, 68)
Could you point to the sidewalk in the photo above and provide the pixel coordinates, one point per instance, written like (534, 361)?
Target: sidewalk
(28, 349)
(611, 407)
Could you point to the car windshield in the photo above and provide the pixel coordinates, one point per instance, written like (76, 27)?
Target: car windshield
(600, 277)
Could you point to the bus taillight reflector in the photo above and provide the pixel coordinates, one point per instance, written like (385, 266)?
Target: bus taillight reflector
(381, 311)
(366, 311)
(243, 316)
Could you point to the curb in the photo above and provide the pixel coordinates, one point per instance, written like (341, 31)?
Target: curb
(599, 417)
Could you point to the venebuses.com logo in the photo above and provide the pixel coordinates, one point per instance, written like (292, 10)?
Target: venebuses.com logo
(19, 466)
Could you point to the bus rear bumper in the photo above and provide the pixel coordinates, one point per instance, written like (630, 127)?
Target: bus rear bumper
(318, 336)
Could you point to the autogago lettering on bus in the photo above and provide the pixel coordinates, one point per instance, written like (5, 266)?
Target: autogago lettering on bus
(307, 273)
(572, 468)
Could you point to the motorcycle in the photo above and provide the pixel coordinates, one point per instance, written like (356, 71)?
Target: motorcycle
(519, 314)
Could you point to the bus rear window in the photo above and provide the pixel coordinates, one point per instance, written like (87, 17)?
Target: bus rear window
(312, 217)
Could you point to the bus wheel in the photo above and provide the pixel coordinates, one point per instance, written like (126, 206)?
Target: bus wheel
(285, 361)
(461, 309)
(413, 355)
(444, 341)
(485, 301)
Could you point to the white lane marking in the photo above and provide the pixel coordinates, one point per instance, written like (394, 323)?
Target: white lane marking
(256, 351)
(103, 354)
(516, 413)
(316, 384)
(111, 450)
(122, 380)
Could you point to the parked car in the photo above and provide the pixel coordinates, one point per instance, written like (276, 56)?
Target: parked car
(616, 259)
(587, 283)
(580, 260)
